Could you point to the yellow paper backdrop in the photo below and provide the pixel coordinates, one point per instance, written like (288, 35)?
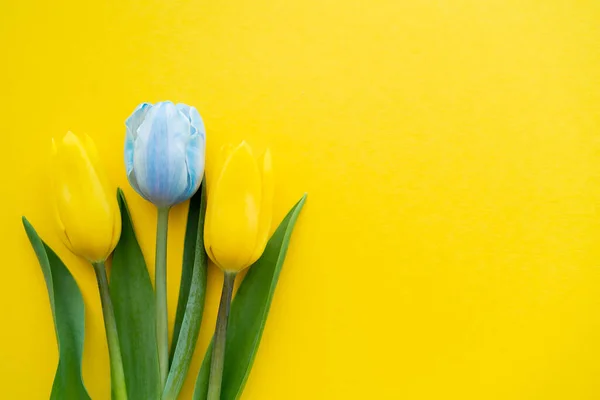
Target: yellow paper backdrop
(450, 245)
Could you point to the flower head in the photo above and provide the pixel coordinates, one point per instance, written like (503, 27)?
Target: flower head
(164, 152)
(86, 206)
(239, 208)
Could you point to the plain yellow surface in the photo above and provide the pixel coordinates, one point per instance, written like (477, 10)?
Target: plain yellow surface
(450, 245)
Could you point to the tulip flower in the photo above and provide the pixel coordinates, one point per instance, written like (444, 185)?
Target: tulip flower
(164, 161)
(89, 224)
(236, 230)
(86, 207)
(164, 152)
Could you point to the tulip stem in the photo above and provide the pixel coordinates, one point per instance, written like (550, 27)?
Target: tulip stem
(218, 354)
(117, 376)
(162, 316)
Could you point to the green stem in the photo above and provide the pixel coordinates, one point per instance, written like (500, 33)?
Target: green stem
(218, 355)
(162, 317)
(117, 376)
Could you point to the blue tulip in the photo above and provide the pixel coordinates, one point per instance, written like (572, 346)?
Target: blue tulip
(164, 152)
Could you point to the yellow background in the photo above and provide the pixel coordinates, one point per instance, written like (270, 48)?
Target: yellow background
(450, 245)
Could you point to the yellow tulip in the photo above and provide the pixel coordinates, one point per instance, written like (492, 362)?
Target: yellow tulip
(86, 207)
(239, 209)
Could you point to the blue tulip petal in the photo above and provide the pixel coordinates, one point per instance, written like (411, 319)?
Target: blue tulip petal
(129, 147)
(195, 119)
(185, 109)
(195, 158)
(195, 165)
(198, 123)
(160, 154)
(132, 123)
(136, 118)
(134, 184)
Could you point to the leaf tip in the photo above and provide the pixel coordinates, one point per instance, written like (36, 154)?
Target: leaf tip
(302, 200)
(122, 201)
(26, 224)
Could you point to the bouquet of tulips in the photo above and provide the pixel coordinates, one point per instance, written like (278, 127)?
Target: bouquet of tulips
(229, 221)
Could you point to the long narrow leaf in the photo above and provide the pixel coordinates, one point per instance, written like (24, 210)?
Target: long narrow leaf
(67, 307)
(193, 287)
(249, 311)
(187, 268)
(134, 304)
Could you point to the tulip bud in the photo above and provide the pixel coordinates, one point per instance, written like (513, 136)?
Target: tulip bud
(239, 208)
(164, 152)
(86, 206)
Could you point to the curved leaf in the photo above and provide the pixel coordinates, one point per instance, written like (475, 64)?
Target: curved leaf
(248, 315)
(69, 319)
(134, 305)
(187, 267)
(191, 297)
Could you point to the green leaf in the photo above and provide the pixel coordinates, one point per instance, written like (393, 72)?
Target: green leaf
(193, 238)
(69, 319)
(248, 315)
(135, 312)
(191, 297)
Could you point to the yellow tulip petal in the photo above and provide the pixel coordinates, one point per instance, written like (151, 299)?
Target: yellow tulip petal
(116, 234)
(214, 170)
(266, 206)
(83, 204)
(94, 157)
(232, 214)
(90, 147)
(62, 233)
